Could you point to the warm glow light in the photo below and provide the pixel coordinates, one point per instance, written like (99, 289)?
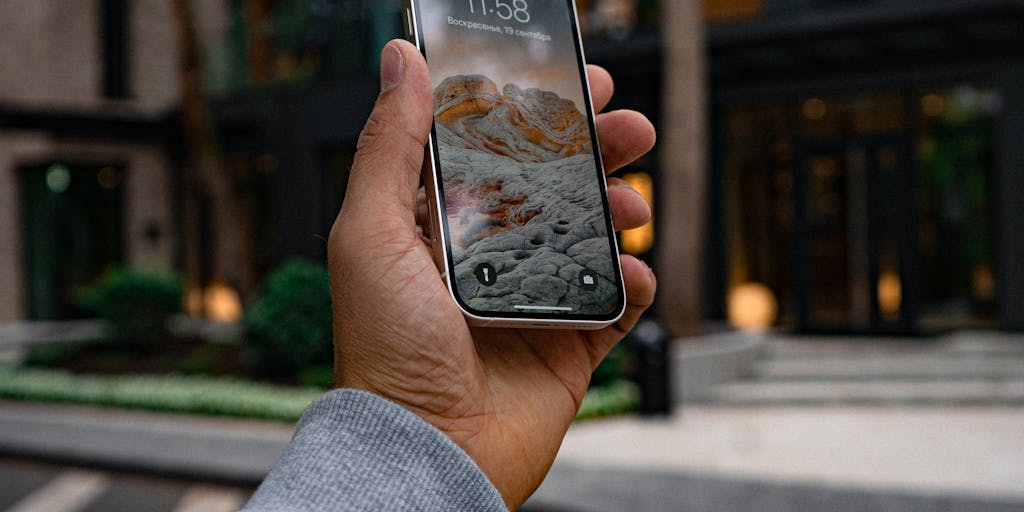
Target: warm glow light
(933, 105)
(729, 10)
(109, 178)
(194, 302)
(983, 283)
(639, 240)
(222, 303)
(890, 293)
(266, 164)
(815, 109)
(752, 307)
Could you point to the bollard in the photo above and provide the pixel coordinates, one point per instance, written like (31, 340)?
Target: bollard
(653, 372)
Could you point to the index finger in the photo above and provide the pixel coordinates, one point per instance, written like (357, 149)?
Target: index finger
(601, 86)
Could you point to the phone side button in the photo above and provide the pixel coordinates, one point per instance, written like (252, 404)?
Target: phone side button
(409, 35)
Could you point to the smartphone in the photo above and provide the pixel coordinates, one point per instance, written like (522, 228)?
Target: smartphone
(520, 222)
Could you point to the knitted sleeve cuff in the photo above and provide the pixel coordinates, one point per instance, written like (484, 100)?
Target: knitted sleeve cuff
(353, 450)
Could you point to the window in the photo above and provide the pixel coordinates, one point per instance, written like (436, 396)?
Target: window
(71, 216)
(114, 44)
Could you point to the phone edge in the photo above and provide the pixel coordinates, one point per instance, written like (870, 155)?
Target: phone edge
(439, 240)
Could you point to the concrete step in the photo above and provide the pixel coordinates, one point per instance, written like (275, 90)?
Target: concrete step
(971, 368)
(891, 367)
(968, 392)
(977, 343)
(964, 368)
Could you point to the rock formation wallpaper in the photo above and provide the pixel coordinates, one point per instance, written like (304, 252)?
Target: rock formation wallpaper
(522, 198)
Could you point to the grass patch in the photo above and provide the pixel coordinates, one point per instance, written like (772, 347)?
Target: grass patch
(180, 394)
(616, 397)
(222, 397)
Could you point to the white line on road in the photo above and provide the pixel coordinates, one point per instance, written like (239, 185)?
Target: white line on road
(68, 492)
(208, 498)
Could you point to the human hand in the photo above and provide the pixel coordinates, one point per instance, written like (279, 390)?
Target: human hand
(506, 396)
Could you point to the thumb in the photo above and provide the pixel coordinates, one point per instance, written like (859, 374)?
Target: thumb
(385, 173)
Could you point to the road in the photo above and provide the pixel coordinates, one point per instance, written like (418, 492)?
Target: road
(37, 487)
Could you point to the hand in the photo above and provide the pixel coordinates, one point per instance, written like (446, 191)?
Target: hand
(506, 396)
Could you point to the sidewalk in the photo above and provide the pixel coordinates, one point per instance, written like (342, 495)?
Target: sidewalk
(821, 424)
(704, 459)
(757, 451)
(850, 458)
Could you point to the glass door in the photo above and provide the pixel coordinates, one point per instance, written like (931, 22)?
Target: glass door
(72, 229)
(854, 235)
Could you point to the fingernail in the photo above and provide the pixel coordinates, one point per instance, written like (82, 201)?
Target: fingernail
(391, 68)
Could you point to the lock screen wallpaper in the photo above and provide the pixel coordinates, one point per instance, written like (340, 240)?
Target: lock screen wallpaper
(526, 219)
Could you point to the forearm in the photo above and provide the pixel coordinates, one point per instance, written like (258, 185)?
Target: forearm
(356, 451)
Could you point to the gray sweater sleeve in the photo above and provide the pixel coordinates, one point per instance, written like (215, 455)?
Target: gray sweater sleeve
(355, 451)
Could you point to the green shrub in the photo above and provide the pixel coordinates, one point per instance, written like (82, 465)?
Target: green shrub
(135, 303)
(319, 376)
(289, 325)
(58, 354)
(617, 365)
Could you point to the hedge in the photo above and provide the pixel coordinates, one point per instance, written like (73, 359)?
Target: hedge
(221, 397)
(180, 394)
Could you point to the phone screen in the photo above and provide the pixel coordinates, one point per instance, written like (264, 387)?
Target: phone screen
(524, 207)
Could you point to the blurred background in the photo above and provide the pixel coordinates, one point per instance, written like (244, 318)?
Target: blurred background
(840, 257)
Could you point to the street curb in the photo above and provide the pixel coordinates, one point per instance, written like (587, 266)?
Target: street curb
(230, 451)
(701, 363)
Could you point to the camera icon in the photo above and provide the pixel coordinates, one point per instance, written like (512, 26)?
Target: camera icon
(588, 280)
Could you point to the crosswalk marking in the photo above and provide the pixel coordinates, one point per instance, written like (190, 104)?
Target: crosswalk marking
(208, 498)
(68, 492)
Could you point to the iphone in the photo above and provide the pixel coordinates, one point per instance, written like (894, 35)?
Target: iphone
(520, 223)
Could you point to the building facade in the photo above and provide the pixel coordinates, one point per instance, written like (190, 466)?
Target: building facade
(863, 176)
(88, 95)
(83, 171)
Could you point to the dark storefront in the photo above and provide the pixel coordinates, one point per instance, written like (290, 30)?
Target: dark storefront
(867, 165)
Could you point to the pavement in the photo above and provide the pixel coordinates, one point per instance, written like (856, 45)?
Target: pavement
(820, 424)
(224, 450)
(922, 458)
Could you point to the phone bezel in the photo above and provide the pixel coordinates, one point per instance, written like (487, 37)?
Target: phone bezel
(439, 220)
